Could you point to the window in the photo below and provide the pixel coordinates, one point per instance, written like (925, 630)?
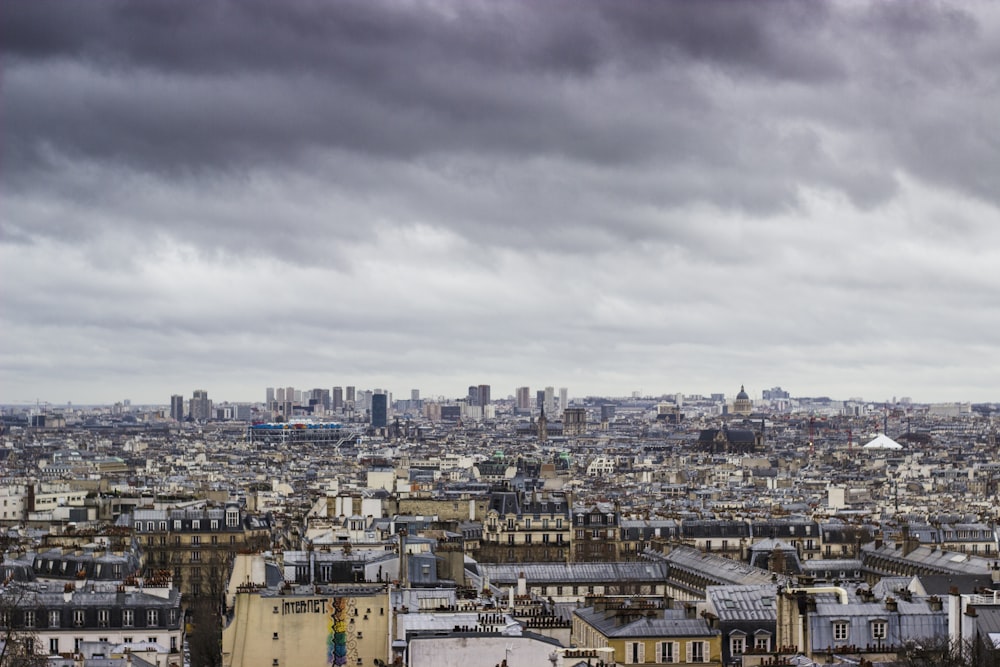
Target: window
(78, 618)
(696, 652)
(128, 618)
(126, 640)
(163, 525)
(195, 556)
(103, 618)
(152, 617)
(510, 538)
(737, 644)
(54, 618)
(558, 524)
(177, 524)
(29, 619)
(635, 653)
(840, 630)
(274, 636)
(667, 652)
(196, 540)
(527, 538)
(878, 629)
(214, 525)
(762, 642)
(527, 524)
(196, 524)
(149, 526)
(173, 644)
(215, 539)
(53, 645)
(76, 644)
(151, 640)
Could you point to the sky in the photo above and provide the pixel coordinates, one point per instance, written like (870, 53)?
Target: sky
(609, 196)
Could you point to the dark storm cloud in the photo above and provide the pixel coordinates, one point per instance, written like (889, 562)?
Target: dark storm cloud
(182, 87)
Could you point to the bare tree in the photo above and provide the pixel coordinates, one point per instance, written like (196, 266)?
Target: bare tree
(943, 652)
(18, 637)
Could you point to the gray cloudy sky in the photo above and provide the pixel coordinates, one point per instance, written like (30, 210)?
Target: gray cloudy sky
(609, 196)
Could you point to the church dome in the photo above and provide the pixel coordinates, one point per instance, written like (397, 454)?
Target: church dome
(742, 396)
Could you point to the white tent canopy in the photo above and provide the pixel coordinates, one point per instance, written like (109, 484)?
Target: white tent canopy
(882, 441)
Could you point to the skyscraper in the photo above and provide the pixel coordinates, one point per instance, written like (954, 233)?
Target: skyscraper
(269, 396)
(523, 398)
(563, 399)
(550, 400)
(338, 398)
(484, 395)
(380, 411)
(177, 407)
(201, 407)
(350, 394)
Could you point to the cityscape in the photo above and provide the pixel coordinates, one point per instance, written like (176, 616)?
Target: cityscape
(348, 525)
(499, 333)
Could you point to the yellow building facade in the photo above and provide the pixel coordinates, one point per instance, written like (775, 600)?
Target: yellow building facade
(308, 626)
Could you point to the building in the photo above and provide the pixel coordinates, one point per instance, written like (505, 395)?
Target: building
(747, 619)
(647, 632)
(522, 398)
(574, 421)
(828, 623)
(200, 407)
(742, 405)
(177, 407)
(338, 398)
(134, 614)
(380, 411)
(595, 533)
(304, 626)
(524, 527)
(563, 399)
(197, 544)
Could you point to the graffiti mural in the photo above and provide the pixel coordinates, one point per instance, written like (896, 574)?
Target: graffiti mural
(336, 640)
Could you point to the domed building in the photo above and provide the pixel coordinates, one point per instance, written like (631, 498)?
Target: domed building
(742, 405)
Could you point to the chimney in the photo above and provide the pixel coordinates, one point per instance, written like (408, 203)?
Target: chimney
(522, 584)
(891, 604)
(934, 603)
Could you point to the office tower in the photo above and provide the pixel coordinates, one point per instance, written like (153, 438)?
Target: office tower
(380, 411)
(279, 395)
(540, 399)
(483, 392)
(550, 400)
(607, 412)
(338, 398)
(320, 397)
(290, 394)
(473, 395)
(201, 407)
(350, 395)
(522, 396)
(414, 394)
(177, 407)
(269, 396)
(563, 399)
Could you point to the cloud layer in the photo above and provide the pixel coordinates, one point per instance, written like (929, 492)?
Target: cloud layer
(610, 196)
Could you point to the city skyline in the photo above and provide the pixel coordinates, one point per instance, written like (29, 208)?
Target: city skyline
(649, 197)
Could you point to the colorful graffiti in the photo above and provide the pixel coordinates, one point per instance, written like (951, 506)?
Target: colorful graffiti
(336, 640)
